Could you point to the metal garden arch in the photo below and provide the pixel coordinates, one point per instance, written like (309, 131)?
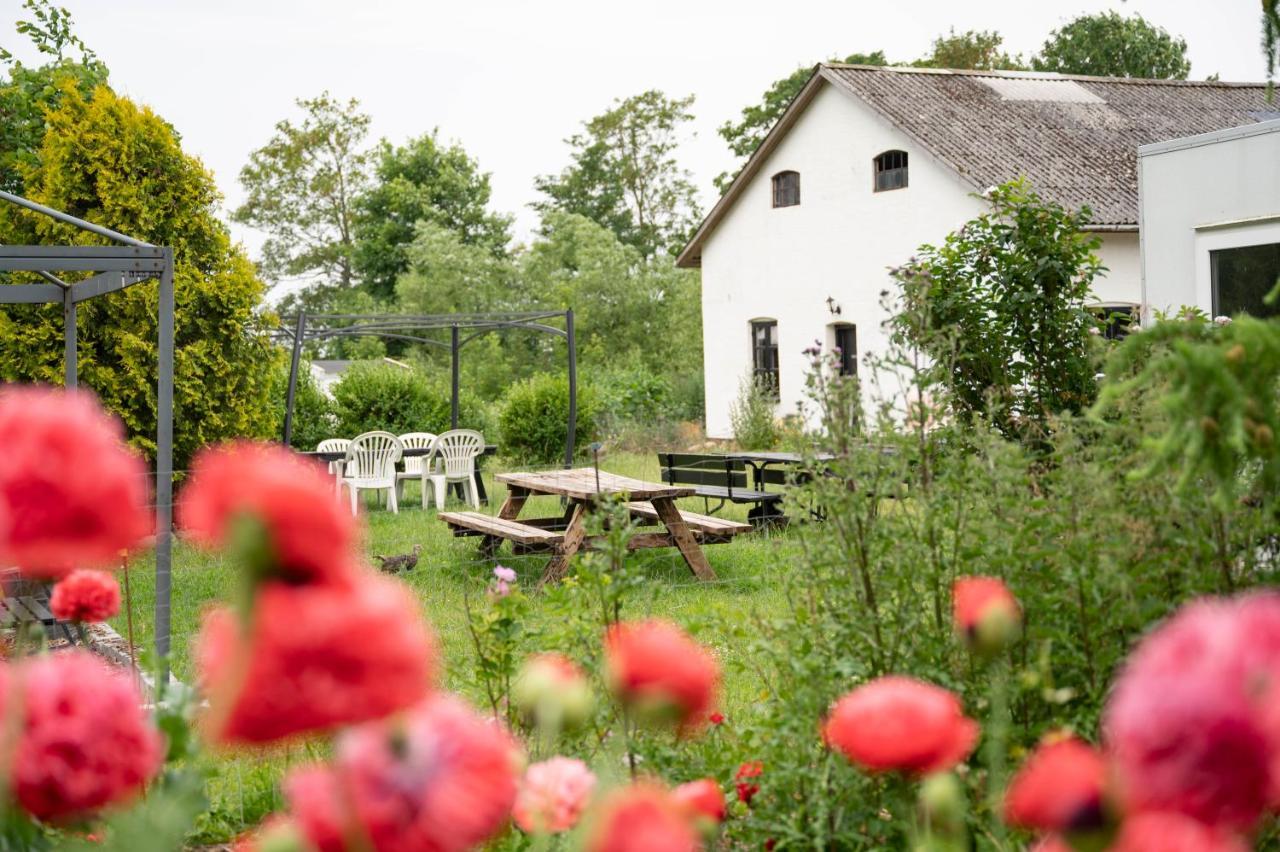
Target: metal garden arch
(130, 261)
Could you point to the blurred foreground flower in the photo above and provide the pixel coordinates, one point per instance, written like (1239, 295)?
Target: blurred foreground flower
(84, 742)
(552, 795)
(72, 494)
(703, 803)
(552, 692)
(660, 673)
(899, 723)
(313, 657)
(640, 818)
(1060, 789)
(438, 778)
(86, 595)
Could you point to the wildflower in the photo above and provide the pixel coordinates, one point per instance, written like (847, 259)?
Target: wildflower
(657, 670)
(302, 535)
(553, 692)
(745, 788)
(506, 575)
(702, 801)
(439, 778)
(986, 613)
(85, 595)
(640, 818)
(899, 723)
(1155, 831)
(71, 492)
(716, 719)
(1059, 789)
(85, 741)
(552, 795)
(313, 657)
(1190, 723)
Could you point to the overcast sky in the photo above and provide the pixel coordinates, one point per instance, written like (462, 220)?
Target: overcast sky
(510, 79)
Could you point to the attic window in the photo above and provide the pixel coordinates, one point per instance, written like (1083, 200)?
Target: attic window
(891, 171)
(786, 189)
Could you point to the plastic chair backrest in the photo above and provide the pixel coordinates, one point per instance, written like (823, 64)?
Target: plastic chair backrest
(373, 455)
(459, 448)
(414, 441)
(333, 445)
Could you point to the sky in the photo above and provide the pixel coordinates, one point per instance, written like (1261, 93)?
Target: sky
(511, 79)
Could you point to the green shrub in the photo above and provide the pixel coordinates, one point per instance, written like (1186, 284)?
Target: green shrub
(376, 395)
(313, 417)
(535, 415)
(752, 416)
(631, 395)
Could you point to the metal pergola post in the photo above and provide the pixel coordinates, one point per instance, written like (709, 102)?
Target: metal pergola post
(295, 359)
(573, 388)
(116, 267)
(453, 376)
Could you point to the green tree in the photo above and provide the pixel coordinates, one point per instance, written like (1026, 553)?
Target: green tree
(1110, 45)
(108, 160)
(446, 274)
(422, 180)
(625, 176)
(1271, 41)
(745, 135)
(977, 50)
(302, 188)
(999, 310)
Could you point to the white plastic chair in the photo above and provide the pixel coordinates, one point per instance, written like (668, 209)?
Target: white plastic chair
(416, 467)
(370, 465)
(335, 445)
(457, 450)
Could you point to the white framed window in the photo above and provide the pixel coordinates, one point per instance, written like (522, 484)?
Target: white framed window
(1236, 267)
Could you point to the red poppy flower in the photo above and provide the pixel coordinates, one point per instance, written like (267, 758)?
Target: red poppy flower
(1192, 724)
(71, 492)
(440, 778)
(86, 741)
(901, 723)
(1171, 832)
(640, 818)
(86, 595)
(1059, 788)
(702, 800)
(660, 672)
(716, 718)
(314, 657)
(310, 535)
(745, 788)
(986, 613)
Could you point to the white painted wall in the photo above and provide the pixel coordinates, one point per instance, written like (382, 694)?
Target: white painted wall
(840, 241)
(1202, 193)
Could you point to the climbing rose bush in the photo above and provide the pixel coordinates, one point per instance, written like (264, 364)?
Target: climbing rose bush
(72, 493)
(86, 595)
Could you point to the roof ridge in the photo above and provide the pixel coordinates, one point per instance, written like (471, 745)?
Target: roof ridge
(1040, 75)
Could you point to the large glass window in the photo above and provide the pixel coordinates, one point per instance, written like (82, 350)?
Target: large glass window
(846, 342)
(786, 189)
(764, 353)
(1242, 277)
(891, 171)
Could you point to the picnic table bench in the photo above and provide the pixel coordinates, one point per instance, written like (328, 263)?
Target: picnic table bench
(564, 535)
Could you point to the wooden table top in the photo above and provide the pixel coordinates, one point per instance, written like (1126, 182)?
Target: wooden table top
(580, 484)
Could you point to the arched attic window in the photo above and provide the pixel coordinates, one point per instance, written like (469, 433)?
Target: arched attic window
(786, 189)
(891, 171)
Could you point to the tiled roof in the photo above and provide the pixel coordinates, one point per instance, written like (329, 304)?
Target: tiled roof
(1074, 138)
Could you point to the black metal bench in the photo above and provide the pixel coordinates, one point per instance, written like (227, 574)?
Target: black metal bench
(726, 480)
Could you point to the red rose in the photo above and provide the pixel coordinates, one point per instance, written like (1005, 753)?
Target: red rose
(314, 657)
(701, 800)
(440, 778)
(1192, 724)
(901, 723)
(71, 492)
(745, 789)
(986, 613)
(85, 741)
(86, 595)
(657, 670)
(1059, 788)
(310, 535)
(640, 818)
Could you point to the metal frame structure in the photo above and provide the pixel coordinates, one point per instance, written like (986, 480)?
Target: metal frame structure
(411, 327)
(115, 267)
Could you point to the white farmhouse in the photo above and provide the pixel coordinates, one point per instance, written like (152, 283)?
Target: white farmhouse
(869, 163)
(1211, 220)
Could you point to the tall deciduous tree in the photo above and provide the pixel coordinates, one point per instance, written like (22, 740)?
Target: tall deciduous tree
(1271, 41)
(1110, 45)
(977, 50)
(422, 180)
(625, 175)
(302, 188)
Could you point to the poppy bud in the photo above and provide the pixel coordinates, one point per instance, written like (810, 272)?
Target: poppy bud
(986, 614)
(552, 692)
(943, 804)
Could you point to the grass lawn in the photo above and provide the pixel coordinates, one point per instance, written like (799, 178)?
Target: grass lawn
(748, 570)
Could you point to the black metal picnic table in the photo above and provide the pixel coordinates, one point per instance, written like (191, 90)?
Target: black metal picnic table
(412, 452)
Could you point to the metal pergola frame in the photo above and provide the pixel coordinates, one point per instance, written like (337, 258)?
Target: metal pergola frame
(304, 327)
(115, 267)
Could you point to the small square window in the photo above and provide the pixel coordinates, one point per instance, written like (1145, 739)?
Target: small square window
(891, 171)
(786, 189)
(1242, 277)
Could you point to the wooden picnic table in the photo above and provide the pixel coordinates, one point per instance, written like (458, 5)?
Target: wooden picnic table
(581, 488)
